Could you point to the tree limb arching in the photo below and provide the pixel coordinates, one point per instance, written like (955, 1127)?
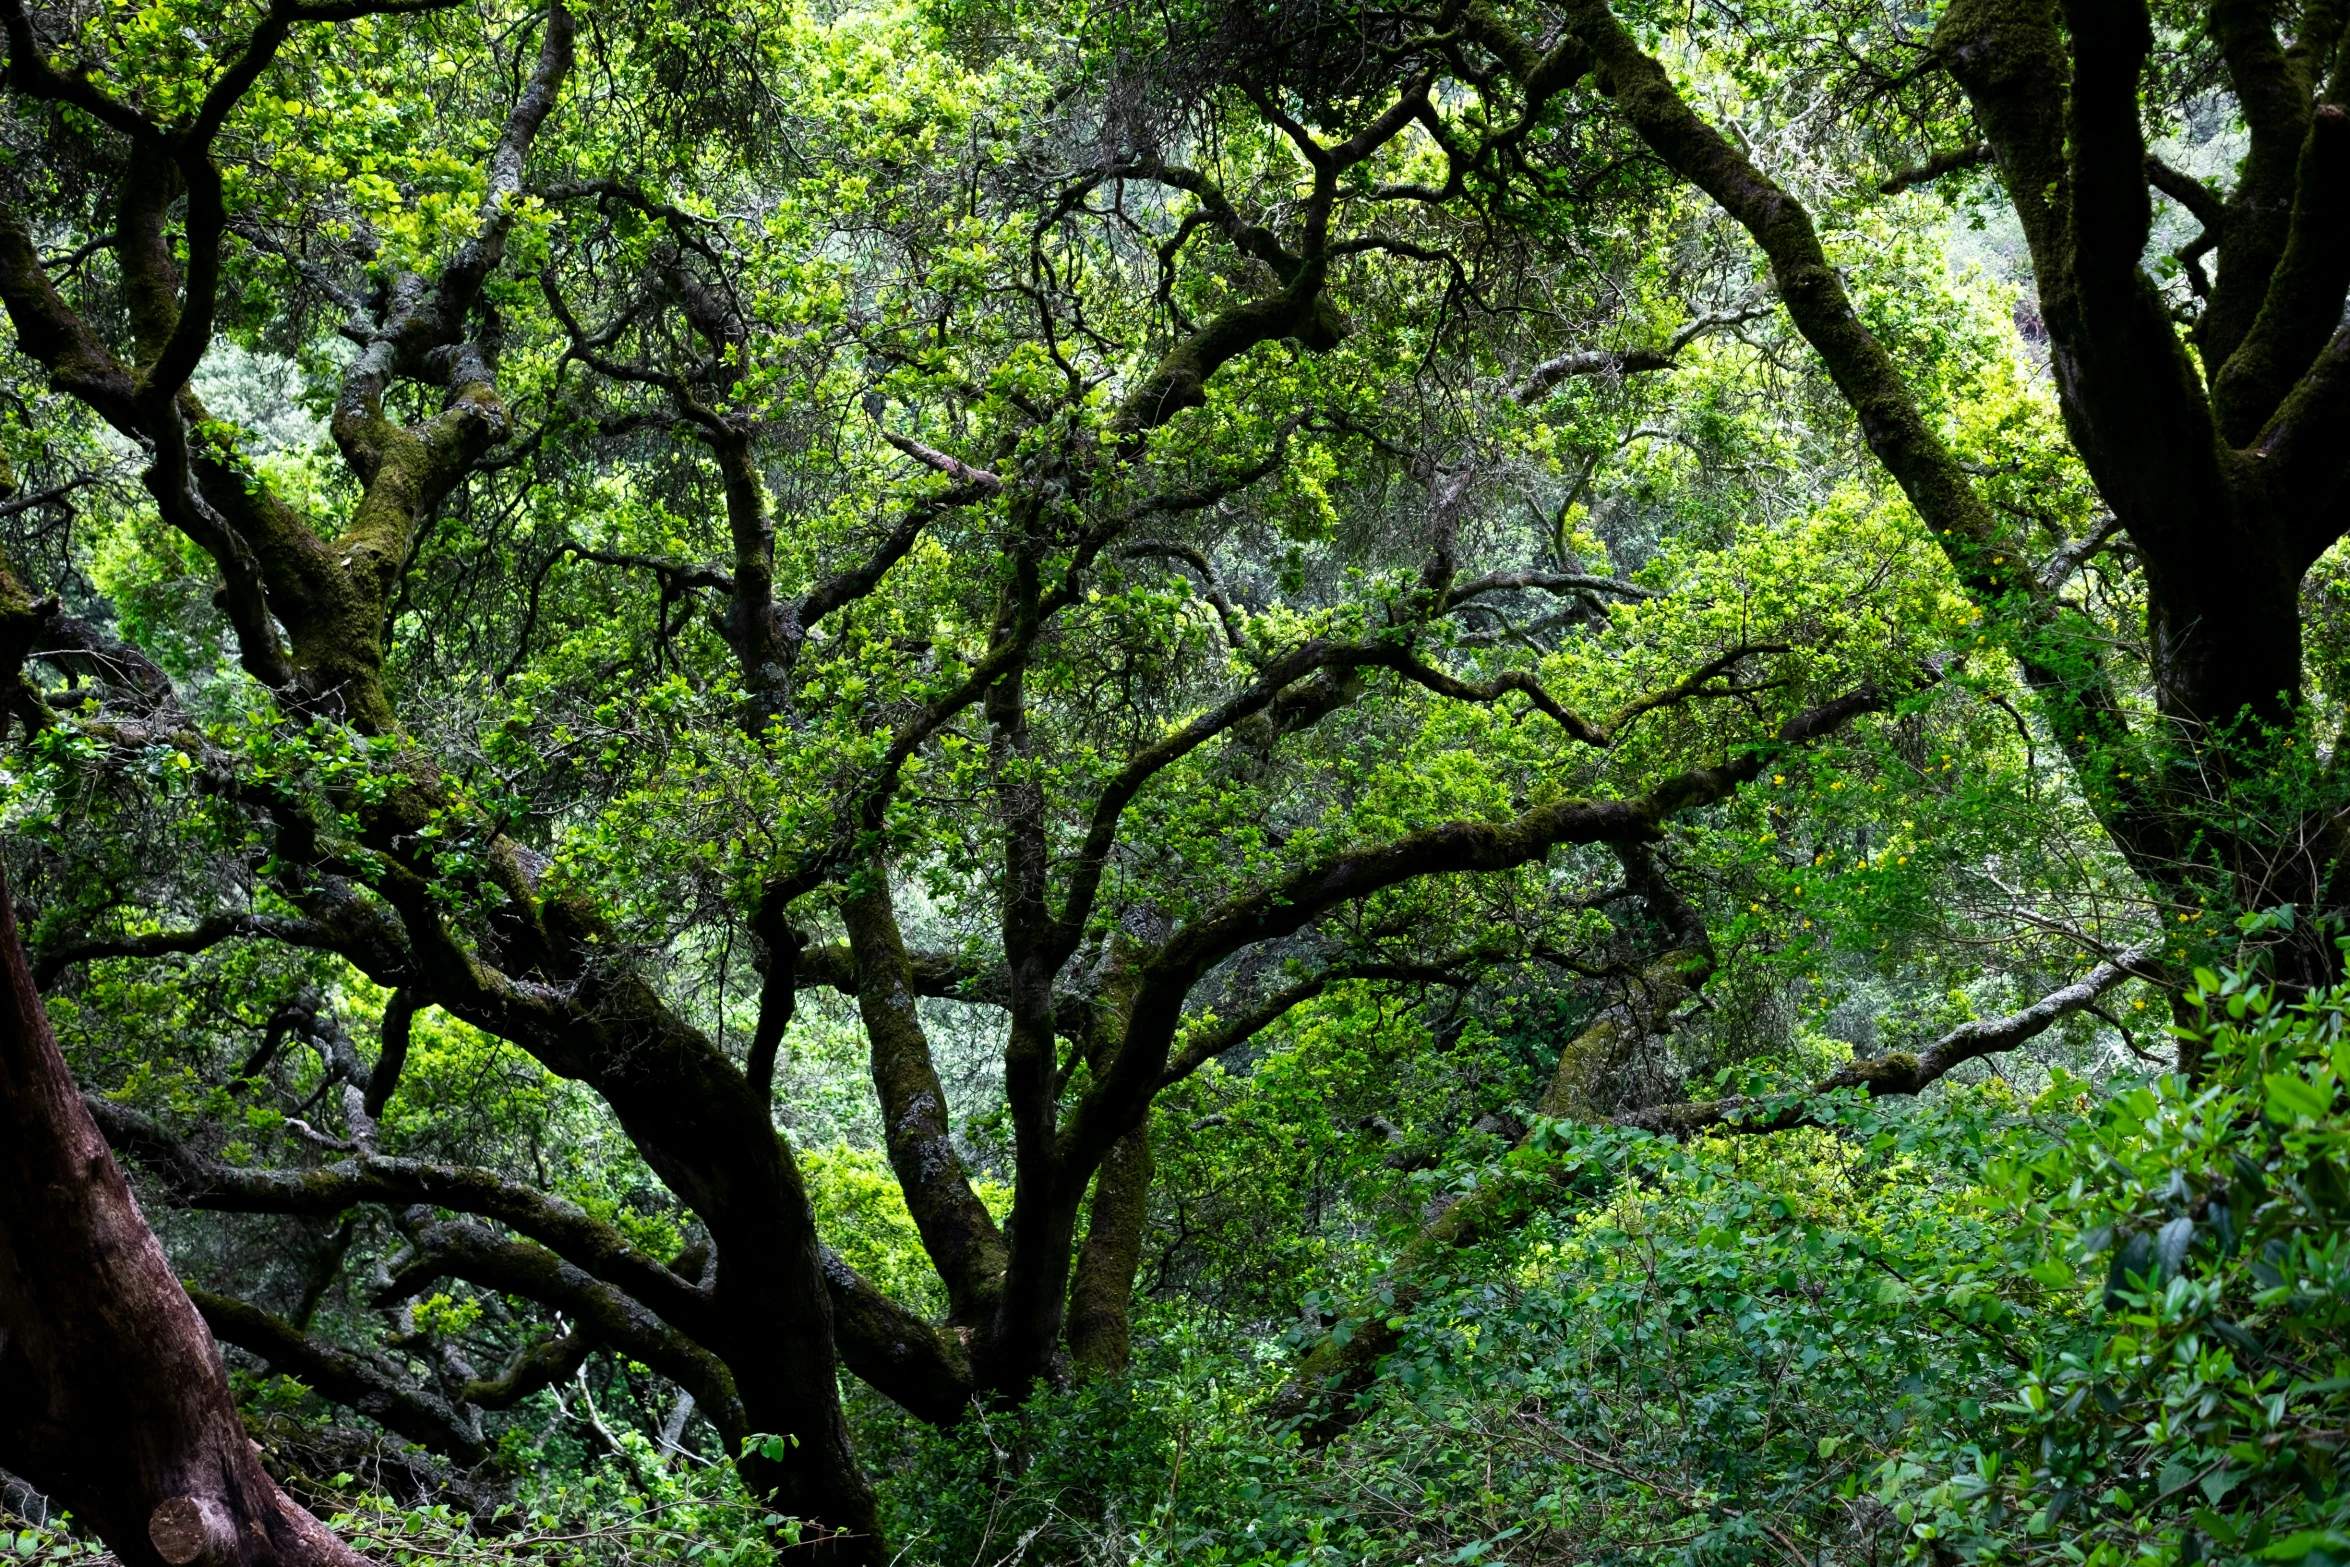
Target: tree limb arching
(1123, 1090)
(905, 1358)
(1951, 160)
(415, 1413)
(209, 932)
(195, 1181)
(1900, 1072)
(465, 1249)
(1632, 361)
(1206, 1044)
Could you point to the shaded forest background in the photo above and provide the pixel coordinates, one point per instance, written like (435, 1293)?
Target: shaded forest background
(982, 782)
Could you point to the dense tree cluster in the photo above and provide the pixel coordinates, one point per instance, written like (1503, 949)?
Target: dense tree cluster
(837, 774)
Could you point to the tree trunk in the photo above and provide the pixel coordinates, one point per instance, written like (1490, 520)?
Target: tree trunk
(112, 1395)
(1101, 1299)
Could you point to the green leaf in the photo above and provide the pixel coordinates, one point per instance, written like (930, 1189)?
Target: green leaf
(2171, 1245)
(2299, 1544)
(2293, 1097)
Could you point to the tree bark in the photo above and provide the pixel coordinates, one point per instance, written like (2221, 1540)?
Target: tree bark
(112, 1394)
(1101, 1297)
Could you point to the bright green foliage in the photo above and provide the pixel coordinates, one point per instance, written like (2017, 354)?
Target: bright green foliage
(2196, 1409)
(2117, 1315)
(2069, 1307)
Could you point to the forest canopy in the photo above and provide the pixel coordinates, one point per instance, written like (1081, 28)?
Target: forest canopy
(980, 781)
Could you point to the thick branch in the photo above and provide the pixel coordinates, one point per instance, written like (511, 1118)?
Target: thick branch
(2188, 191)
(421, 1416)
(948, 975)
(598, 1249)
(1299, 310)
(2306, 456)
(1122, 1094)
(1948, 161)
(544, 1363)
(466, 1250)
(2272, 93)
(2303, 305)
(918, 1366)
(957, 1232)
(478, 257)
(53, 960)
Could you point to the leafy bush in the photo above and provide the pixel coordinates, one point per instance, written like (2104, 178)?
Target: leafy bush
(2103, 1326)
(2196, 1405)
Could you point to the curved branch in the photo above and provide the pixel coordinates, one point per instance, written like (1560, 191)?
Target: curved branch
(542, 1364)
(920, 1367)
(2306, 455)
(1899, 1072)
(1632, 361)
(1450, 685)
(2272, 94)
(949, 976)
(421, 1416)
(849, 585)
(1949, 161)
(2185, 189)
(1212, 587)
(599, 1250)
(54, 959)
(1093, 855)
(501, 200)
(392, 1059)
(1206, 1045)
(685, 576)
(960, 1237)
(464, 1249)
(2303, 304)
(1122, 1093)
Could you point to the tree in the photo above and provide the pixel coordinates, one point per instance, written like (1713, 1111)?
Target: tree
(114, 1393)
(2228, 482)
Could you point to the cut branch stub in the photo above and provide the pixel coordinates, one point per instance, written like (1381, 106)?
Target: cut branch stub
(193, 1531)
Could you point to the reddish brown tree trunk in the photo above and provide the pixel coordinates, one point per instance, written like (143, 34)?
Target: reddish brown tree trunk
(112, 1395)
